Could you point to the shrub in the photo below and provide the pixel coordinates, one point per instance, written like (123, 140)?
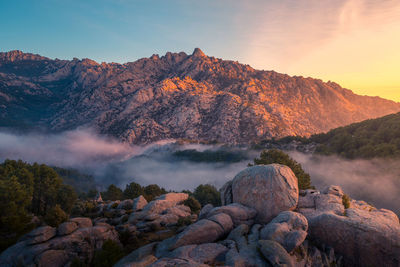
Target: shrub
(346, 201)
(55, 216)
(84, 208)
(133, 190)
(193, 204)
(184, 221)
(77, 263)
(109, 254)
(152, 191)
(280, 157)
(207, 194)
(112, 193)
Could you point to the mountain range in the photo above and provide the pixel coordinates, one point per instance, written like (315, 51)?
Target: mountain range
(176, 96)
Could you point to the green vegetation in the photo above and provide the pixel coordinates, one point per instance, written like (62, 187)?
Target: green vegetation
(207, 194)
(184, 221)
(152, 191)
(368, 139)
(55, 216)
(84, 208)
(112, 193)
(346, 201)
(210, 155)
(193, 204)
(133, 190)
(79, 181)
(28, 190)
(280, 157)
(109, 254)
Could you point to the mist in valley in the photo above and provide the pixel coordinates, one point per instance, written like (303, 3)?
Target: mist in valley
(112, 162)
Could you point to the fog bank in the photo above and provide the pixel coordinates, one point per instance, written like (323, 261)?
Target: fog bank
(112, 162)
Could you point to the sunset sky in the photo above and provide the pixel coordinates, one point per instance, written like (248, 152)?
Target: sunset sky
(352, 42)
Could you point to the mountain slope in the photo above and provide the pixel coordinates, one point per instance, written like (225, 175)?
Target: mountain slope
(373, 138)
(174, 96)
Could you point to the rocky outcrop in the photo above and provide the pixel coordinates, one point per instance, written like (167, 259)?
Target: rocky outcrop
(269, 189)
(175, 96)
(229, 236)
(139, 203)
(289, 229)
(48, 246)
(239, 214)
(321, 231)
(364, 235)
(203, 231)
(275, 253)
(164, 210)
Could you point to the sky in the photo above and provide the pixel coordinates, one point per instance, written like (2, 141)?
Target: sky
(352, 42)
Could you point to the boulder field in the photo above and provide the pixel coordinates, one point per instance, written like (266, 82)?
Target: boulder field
(264, 221)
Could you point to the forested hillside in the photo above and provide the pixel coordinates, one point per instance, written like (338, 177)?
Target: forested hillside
(367, 139)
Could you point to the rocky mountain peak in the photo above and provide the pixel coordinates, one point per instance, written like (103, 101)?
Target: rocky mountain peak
(175, 96)
(16, 55)
(198, 53)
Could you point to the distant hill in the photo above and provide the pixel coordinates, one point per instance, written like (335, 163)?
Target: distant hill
(174, 96)
(367, 139)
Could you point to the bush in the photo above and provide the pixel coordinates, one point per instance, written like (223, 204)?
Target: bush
(152, 191)
(109, 254)
(77, 263)
(55, 216)
(346, 201)
(184, 221)
(193, 204)
(207, 194)
(277, 156)
(84, 208)
(112, 193)
(133, 190)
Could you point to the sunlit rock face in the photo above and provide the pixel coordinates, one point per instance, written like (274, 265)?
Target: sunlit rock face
(174, 96)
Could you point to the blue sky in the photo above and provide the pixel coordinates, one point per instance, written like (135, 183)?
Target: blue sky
(119, 31)
(352, 42)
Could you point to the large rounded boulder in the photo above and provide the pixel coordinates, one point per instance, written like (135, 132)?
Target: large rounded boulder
(269, 189)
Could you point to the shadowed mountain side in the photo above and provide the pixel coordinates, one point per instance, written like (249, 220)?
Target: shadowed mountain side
(174, 96)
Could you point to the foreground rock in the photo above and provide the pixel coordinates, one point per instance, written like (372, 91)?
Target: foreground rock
(230, 235)
(364, 235)
(289, 229)
(269, 189)
(42, 247)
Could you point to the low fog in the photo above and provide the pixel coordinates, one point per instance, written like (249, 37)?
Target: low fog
(375, 181)
(109, 161)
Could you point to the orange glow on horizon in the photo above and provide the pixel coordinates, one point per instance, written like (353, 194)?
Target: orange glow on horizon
(355, 45)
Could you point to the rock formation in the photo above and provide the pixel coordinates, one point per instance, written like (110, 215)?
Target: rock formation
(362, 234)
(47, 246)
(269, 189)
(319, 230)
(175, 96)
